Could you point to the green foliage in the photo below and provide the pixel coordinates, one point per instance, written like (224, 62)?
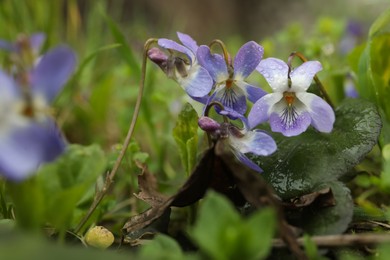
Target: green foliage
(52, 195)
(221, 233)
(185, 134)
(304, 162)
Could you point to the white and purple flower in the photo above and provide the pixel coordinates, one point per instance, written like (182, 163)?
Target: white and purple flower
(179, 63)
(28, 135)
(290, 109)
(241, 141)
(230, 87)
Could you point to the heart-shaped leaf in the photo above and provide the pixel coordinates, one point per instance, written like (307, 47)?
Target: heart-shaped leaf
(303, 162)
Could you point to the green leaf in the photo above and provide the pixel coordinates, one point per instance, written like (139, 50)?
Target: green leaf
(65, 181)
(221, 233)
(303, 162)
(161, 247)
(374, 65)
(124, 50)
(186, 137)
(261, 227)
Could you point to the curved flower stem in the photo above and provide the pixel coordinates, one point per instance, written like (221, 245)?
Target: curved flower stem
(224, 50)
(110, 176)
(316, 79)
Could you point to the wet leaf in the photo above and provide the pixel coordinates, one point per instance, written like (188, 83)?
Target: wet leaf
(303, 162)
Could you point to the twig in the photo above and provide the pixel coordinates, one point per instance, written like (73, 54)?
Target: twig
(340, 240)
(110, 176)
(316, 79)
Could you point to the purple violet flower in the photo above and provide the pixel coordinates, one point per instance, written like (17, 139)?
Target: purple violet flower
(241, 141)
(181, 65)
(34, 43)
(290, 109)
(28, 135)
(231, 89)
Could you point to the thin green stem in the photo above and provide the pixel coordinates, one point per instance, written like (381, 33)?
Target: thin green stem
(111, 175)
(316, 79)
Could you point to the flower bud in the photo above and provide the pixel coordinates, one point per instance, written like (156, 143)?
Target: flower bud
(99, 237)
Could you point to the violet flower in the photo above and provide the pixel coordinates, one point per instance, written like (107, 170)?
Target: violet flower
(34, 43)
(231, 90)
(241, 141)
(28, 135)
(290, 109)
(180, 64)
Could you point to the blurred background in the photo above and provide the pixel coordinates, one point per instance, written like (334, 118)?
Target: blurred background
(97, 104)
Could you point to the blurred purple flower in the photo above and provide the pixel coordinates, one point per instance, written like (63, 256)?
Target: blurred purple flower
(349, 87)
(28, 135)
(351, 38)
(241, 141)
(290, 109)
(34, 43)
(181, 65)
(231, 89)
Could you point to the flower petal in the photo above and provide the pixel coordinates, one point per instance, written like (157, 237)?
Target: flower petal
(245, 160)
(213, 63)
(188, 41)
(26, 148)
(172, 45)
(256, 142)
(233, 98)
(253, 93)
(289, 121)
(8, 88)
(261, 109)
(302, 76)
(36, 41)
(197, 83)
(247, 59)
(322, 114)
(8, 46)
(275, 71)
(52, 71)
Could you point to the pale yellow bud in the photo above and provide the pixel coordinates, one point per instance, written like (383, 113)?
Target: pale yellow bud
(99, 237)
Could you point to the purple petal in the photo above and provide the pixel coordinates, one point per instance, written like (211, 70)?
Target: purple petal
(289, 123)
(213, 63)
(172, 45)
(322, 114)
(8, 87)
(188, 42)
(275, 71)
(255, 142)
(233, 98)
(261, 109)
(52, 72)
(302, 76)
(253, 93)
(350, 90)
(26, 148)
(247, 59)
(245, 160)
(36, 41)
(197, 83)
(232, 114)
(8, 46)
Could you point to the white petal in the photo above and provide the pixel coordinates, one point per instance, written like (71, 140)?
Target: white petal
(302, 76)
